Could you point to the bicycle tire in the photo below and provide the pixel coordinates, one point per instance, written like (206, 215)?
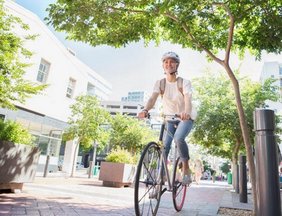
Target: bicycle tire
(147, 191)
(179, 190)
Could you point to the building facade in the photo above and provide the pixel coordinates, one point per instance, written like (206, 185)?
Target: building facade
(46, 114)
(122, 107)
(136, 96)
(273, 70)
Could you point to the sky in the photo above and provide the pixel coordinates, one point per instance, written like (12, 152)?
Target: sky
(136, 67)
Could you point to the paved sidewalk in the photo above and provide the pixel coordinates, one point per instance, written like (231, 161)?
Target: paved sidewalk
(83, 196)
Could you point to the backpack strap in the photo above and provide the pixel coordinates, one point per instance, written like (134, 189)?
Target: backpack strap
(180, 84)
(162, 86)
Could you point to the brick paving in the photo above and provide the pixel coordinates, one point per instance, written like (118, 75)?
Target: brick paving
(82, 196)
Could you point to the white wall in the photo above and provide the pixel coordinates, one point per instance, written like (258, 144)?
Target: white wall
(53, 101)
(271, 69)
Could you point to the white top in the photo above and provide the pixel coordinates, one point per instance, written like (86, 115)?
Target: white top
(173, 100)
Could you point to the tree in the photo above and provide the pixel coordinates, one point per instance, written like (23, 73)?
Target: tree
(129, 133)
(225, 167)
(85, 124)
(218, 127)
(210, 26)
(13, 86)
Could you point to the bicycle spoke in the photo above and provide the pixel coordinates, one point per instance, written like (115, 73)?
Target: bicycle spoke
(147, 190)
(179, 190)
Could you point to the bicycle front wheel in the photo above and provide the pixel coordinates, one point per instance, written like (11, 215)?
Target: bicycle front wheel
(179, 190)
(148, 187)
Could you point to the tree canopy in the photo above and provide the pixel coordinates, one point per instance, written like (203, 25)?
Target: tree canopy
(129, 133)
(13, 86)
(217, 127)
(201, 25)
(86, 120)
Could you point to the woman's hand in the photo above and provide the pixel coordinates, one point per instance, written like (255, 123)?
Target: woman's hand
(185, 116)
(143, 114)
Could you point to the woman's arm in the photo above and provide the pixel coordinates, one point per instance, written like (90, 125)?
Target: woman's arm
(150, 104)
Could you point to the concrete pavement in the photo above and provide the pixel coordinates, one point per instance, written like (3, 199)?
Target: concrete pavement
(59, 195)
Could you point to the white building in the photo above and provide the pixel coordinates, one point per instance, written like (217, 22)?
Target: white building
(136, 96)
(273, 70)
(46, 114)
(122, 107)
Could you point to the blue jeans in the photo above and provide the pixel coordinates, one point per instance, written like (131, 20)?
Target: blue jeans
(178, 130)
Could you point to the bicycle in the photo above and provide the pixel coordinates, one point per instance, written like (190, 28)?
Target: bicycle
(149, 180)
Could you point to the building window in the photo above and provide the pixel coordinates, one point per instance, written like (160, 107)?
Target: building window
(280, 70)
(43, 71)
(90, 89)
(113, 106)
(130, 107)
(70, 88)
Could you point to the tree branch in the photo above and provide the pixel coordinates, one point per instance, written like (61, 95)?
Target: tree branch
(195, 41)
(230, 33)
(127, 10)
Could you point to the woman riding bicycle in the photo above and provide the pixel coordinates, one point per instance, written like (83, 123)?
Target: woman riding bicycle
(176, 95)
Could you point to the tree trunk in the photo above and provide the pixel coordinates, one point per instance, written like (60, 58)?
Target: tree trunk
(245, 132)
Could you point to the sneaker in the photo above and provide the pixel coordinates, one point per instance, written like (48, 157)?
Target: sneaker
(187, 179)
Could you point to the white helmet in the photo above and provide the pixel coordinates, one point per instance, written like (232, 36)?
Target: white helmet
(172, 55)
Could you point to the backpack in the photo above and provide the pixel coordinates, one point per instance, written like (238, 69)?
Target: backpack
(179, 81)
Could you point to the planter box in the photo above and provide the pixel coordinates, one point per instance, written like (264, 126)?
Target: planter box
(18, 164)
(116, 174)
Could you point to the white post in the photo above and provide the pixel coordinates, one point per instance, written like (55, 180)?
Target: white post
(69, 156)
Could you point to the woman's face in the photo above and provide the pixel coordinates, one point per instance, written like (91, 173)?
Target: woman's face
(170, 66)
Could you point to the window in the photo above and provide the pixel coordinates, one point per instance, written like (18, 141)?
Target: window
(70, 88)
(280, 70)
(113, 106)
(90, 89)
(43, 71)
(130, 107)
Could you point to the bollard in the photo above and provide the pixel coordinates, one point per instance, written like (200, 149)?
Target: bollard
(91, 164)
(237, 179)
(46, 166)
(268, 192)
(243, 180)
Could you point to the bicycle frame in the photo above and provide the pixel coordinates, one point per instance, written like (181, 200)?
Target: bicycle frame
(164, 165)
(151, 169)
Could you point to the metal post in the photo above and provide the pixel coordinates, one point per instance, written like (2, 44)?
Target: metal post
(237, 179)
(268, 192)
(92, 163)
(90, 169)
(243, 180)
(46, 166)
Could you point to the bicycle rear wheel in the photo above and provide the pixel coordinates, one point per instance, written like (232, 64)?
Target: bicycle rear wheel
(179, 190)
(147, 193)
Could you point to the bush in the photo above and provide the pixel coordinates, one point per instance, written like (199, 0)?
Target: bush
(14, 132)
(120, 156)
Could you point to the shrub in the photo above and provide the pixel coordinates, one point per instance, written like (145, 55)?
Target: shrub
(14, 132)
(120, 156)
